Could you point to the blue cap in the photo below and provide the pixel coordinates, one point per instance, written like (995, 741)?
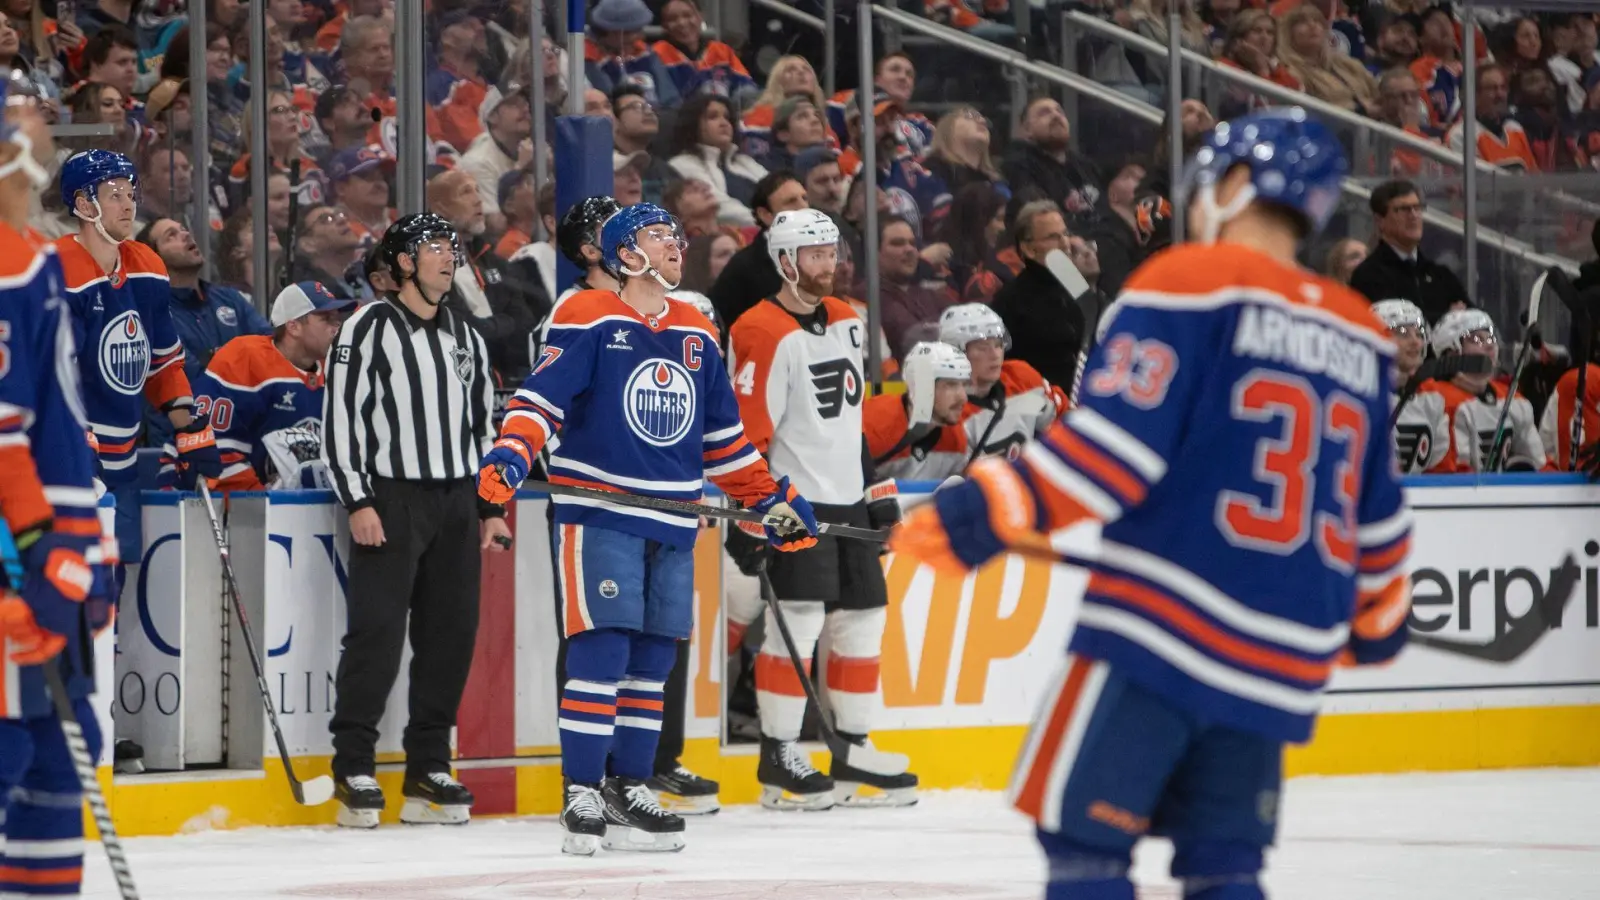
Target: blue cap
(509, 182)
(357, 160)
(619, 231)
(1293, 160)
(304, 298)
(88, 170)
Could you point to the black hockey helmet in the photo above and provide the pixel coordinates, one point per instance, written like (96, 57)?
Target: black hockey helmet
(404, 236)
(581, 225)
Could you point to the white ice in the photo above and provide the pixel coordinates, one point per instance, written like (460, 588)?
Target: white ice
(1531, 835)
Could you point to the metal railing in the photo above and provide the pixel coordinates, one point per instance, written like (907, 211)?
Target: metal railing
(794, 15)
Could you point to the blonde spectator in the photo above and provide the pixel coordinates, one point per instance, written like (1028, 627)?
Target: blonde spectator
(1327, 75)
(790, 76)
(1252, 45)
(703, 148)
(1343, 258)
(961, 153)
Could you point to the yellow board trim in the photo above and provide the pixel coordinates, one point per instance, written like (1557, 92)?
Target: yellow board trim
(943, 758)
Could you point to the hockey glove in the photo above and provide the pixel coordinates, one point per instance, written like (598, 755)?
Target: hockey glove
(503, 470)
(31, 645)
(966, 525)
(747, 545)
(883, 504)
(57, 579)
(197, 448)
(790, 523)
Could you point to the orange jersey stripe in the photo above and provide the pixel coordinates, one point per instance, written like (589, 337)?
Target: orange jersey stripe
(776, 675)
(1030, 799)
(1387, 559)
(585, 706)
(640, 703)
(853, 675)
(1096, 463)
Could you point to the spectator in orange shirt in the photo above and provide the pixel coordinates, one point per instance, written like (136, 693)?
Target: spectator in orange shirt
(1501, 139)
(1252, 46)
(514, 197)
(329, 39)
(455, 87)
(1539, 111)
(790, 76)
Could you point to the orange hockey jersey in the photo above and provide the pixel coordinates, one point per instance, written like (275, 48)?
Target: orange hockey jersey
(1556, 429)
(1473, 419)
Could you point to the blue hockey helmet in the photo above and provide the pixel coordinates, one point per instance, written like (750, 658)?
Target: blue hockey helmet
(87, 170)
(621, 231)
(1294, 161)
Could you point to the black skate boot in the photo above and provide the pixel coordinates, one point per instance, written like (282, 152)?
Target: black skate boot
(788, 780)
(583, 820)
(360, 801)
(635, 819)
(128, 758)
(859, 787)
(435, 799)
(685, 793)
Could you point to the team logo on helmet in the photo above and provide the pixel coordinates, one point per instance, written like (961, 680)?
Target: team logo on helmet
(658, 402)
(125, 354)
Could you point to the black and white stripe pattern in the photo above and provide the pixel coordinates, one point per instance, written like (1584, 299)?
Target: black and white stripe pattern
(405, 400)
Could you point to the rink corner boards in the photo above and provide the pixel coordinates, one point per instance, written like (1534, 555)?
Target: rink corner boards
(963, 661)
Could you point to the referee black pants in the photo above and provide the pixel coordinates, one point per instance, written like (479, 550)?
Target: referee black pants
(428, 567)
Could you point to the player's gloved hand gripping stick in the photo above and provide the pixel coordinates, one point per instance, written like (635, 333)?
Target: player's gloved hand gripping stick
(76, 745)
(770, 519)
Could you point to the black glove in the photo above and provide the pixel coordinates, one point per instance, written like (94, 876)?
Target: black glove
(1588, 461)
(749, 551)
(883, 504)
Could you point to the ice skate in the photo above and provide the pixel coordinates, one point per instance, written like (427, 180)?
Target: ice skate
(788, 780)
(685, 793)
(583, 820)
(436, 799)
(360, 801)
(635, 819)
(860, 788)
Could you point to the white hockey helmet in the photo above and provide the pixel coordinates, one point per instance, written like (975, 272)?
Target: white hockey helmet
(926, 364)
(797, 228)
(698, 301)
(1456, 325)
(1400, 313)
(964, 323)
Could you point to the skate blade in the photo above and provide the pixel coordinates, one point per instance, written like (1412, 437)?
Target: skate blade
(357, 818)
(580, 844)
(705, 805)
(777, 798)
(865, 796)
(634, 840)
(421, 812)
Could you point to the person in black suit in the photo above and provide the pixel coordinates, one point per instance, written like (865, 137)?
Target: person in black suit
(1396, 268)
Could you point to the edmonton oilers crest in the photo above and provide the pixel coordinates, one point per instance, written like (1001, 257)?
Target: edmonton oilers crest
(658, 401)
(125, 354)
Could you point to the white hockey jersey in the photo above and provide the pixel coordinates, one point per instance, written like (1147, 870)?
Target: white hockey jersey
(1422, 436)
(800, 389)
(1473, 418)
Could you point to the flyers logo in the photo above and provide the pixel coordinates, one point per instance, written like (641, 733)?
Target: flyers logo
(1150, 211)
(837, 382)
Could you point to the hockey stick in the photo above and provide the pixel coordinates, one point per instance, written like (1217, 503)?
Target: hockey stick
(861, 756)
(1440, 368)
(77, 746)
(1531, 341)
(1521, 637)
(318, 790)
(1578, 309)
(1076, 286)
(690, 508)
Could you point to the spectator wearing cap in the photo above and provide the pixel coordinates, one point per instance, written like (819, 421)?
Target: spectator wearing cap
(536, 259)
(627, 177)
(1116, 230)
(1041, 164)
(455, 86)
(169, 112)
(1397, 269)
(616, 53)
(344, 119)
(284, 150)
(325, 247)
(960, 154)
(749, 277)
(894, 76)
(797, 124)
(635, 130)
(360, 178)
(1397, 45)
(911, 302)
(914, 193)
(273, 385)
(818, 170)
(501, 304)
(790, 76)
(504, 145)
(696, 62)
(1045, 323)
(206, 315)
(703, 146)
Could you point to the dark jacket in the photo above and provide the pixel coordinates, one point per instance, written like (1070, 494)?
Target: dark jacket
(208, 317)
(1120, 250)
(956, 176)
(516, 302)
(1588, 276)
(911, 309)
(1045, 323)
(304, 270)
(1034, 174)
(746, 280)
(1383, 275)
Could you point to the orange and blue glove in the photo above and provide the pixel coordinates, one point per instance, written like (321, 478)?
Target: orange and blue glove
(965, 525)
(31, 645)
(504, 468)
(789, 521)
(197, 447)
(57, 579)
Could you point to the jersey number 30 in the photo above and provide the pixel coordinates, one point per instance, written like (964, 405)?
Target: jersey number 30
(1288, 465)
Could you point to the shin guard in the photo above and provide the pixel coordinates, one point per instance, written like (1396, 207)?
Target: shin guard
(596, 662)
(640, 704)
(854, 639)
(779, 695)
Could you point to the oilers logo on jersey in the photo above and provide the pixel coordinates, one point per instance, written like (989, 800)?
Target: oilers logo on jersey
(125, 353)
(659, 402)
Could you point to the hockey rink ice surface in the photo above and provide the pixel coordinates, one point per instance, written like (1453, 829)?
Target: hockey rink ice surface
(1527, 835)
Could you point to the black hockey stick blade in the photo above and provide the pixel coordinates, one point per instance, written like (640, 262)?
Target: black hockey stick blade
(864, 757)
(690, 508)
(1522, 636)
(318, 790)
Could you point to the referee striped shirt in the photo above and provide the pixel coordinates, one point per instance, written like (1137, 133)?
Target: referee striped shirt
(407, 398)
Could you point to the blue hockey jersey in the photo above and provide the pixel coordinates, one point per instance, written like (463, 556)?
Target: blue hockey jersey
(127, 346)
(1232, 440)
(644, 406)
(46, 467)
(252, 391)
